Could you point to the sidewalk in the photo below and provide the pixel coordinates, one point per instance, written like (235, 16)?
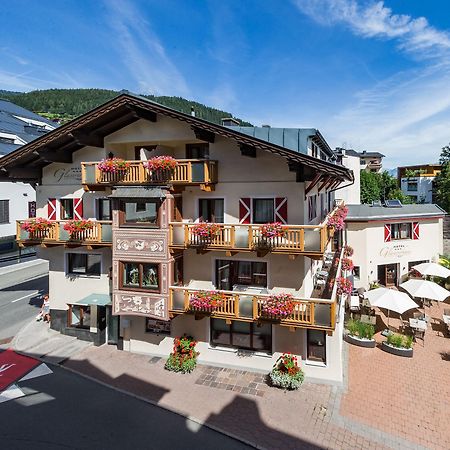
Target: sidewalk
(15, 274)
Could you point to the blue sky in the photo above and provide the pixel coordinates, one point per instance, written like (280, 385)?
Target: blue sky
(371, 75)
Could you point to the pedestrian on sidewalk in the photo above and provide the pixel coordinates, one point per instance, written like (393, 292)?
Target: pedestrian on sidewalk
(45, 310)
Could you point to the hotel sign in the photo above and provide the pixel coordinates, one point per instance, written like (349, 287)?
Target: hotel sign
(395, 251)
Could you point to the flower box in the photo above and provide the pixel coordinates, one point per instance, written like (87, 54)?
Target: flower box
(205, 231)
(36, 226)
(161, 168)
(206, 301)
(184, 356)
(76, 227)
(405, 352)
(286, 373)
(113, 165)
(277, 307)
(272, 230)
(360, 342)
(347, 264)
(344, 286)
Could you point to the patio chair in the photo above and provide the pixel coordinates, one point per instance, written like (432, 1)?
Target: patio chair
(419, 334)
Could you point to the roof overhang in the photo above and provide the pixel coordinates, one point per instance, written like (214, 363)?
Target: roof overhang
(26, 163)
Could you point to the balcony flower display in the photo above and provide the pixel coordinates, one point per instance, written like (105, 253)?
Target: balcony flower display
(272, 230)
(77, 226)
(277, 306)
(184, 356)
(286, 373)
(347, 264)
(337, 220)
(113, 165)
(348, 251)
(36, 225)
(206, 301)
(161, 163)
(205, 230)
(344, 286)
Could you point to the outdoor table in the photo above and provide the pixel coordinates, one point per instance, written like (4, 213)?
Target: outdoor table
(418, 324)
(372, 320)
(322, 273)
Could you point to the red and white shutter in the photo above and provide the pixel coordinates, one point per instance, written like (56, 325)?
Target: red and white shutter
(281, 210)
(51, 209)
(387, 232)
(416, 230)
(77, 208)
(245, 212)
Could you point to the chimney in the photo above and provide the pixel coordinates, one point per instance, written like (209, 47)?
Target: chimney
(192, 111)
(230, 122)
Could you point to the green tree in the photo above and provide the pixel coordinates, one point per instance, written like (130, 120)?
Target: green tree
(380, 187)
(370, 188)
(442, 181)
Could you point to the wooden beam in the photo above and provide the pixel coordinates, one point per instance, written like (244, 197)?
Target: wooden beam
(248, 150)
(142, 113)
(50, 155)
(204, 135)
(25, 173)
(313, 183)
(85, 137)
(324, 183)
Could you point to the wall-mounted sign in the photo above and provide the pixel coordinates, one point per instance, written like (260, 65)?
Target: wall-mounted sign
(69, 175)
(395, 251)
(157, 326)
(31, 209)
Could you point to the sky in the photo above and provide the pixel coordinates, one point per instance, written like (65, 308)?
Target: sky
(370, 75)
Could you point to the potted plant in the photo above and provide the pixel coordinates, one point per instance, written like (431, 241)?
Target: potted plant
(184, 356)
(206, 301)
(36, 228)
(75, 228)
(268, 233)
(360, 334)
(113, 166)
(205, 232)
(161, 168)
(337, 219)
(348, 251)
(399, 345)
(286, 373)
(277, 306)
(344, 286)
(347, 264)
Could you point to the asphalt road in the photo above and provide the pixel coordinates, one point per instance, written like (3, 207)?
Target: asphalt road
(66, 411)
(19, 304)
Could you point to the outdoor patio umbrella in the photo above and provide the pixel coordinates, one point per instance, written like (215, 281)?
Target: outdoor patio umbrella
(432, 269)
(390, 299)
(425, 289)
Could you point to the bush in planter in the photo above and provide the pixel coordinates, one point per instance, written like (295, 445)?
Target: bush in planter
(360, 329)
(277, 306)
(286, 372)
(207, 300)
(399, 341)
(113, 165)
(183, 357)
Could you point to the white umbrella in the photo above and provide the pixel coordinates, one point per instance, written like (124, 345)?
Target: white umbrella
(432, 269)
(390, 299)
(425, 289)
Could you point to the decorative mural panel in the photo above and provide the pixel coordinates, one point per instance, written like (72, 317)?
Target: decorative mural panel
(142, 305)
(149, 245)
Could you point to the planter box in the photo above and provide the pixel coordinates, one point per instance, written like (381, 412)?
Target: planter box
(405, 352)
(367, 343)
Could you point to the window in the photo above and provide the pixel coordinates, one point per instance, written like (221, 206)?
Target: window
(312, 207)
(66, 208)
(316, 340)
(245, 335)
(412, 185)
(401, 231)
(84, 264)
(263, 210)
(211, 210)
(104, 209)
(79, 316)
(140, 276)
(314, 150)
(178, 271)
(356, 272)
(142, 212)
(197, 151)
(247, 273)
(4, 211)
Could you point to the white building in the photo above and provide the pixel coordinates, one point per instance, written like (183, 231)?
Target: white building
(387, 242)
(18, 126)
(350, 193)
(417, 182)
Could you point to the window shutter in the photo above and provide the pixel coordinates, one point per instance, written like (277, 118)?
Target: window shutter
(77, 208)
(387, 232)
(51, 209)
(281, 210)
(245, 210)
(415, 230)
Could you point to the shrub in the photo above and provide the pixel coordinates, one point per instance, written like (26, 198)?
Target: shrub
(353, 327)
(113, 165)
(207, 301)
(272, 230)
(183, 357)
(286, 372)
(360, 329)
(279, 306)
(161, 163)
(400, 341)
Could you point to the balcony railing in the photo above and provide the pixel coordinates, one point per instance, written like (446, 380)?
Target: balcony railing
(298, 239)
(99, 234)
(188, 172)
(310, 313)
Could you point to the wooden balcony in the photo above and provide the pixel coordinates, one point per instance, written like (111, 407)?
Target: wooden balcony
(98, 236)
(310, 240)
(308, 313)
(189, 172)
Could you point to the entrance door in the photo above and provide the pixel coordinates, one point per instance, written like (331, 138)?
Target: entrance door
(387, 274)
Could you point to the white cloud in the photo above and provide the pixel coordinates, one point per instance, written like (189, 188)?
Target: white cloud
(143, 54)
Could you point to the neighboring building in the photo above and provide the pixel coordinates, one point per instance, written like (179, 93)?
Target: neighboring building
(142, 261)
(349, 193)
(18, 126)
(388, 241)
(371, 161)
(417, 182)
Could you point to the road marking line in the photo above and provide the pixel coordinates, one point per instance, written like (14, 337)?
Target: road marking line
(25, 296)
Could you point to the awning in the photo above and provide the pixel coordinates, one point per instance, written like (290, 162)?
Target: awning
(138, 192)
(94, 299)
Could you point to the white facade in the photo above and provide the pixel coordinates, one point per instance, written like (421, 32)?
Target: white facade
(419, 189)
(351, 194)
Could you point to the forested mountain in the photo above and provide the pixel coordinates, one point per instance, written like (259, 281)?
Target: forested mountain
(66, 104)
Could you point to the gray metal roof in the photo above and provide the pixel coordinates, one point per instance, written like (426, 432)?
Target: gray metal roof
(363, 213)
